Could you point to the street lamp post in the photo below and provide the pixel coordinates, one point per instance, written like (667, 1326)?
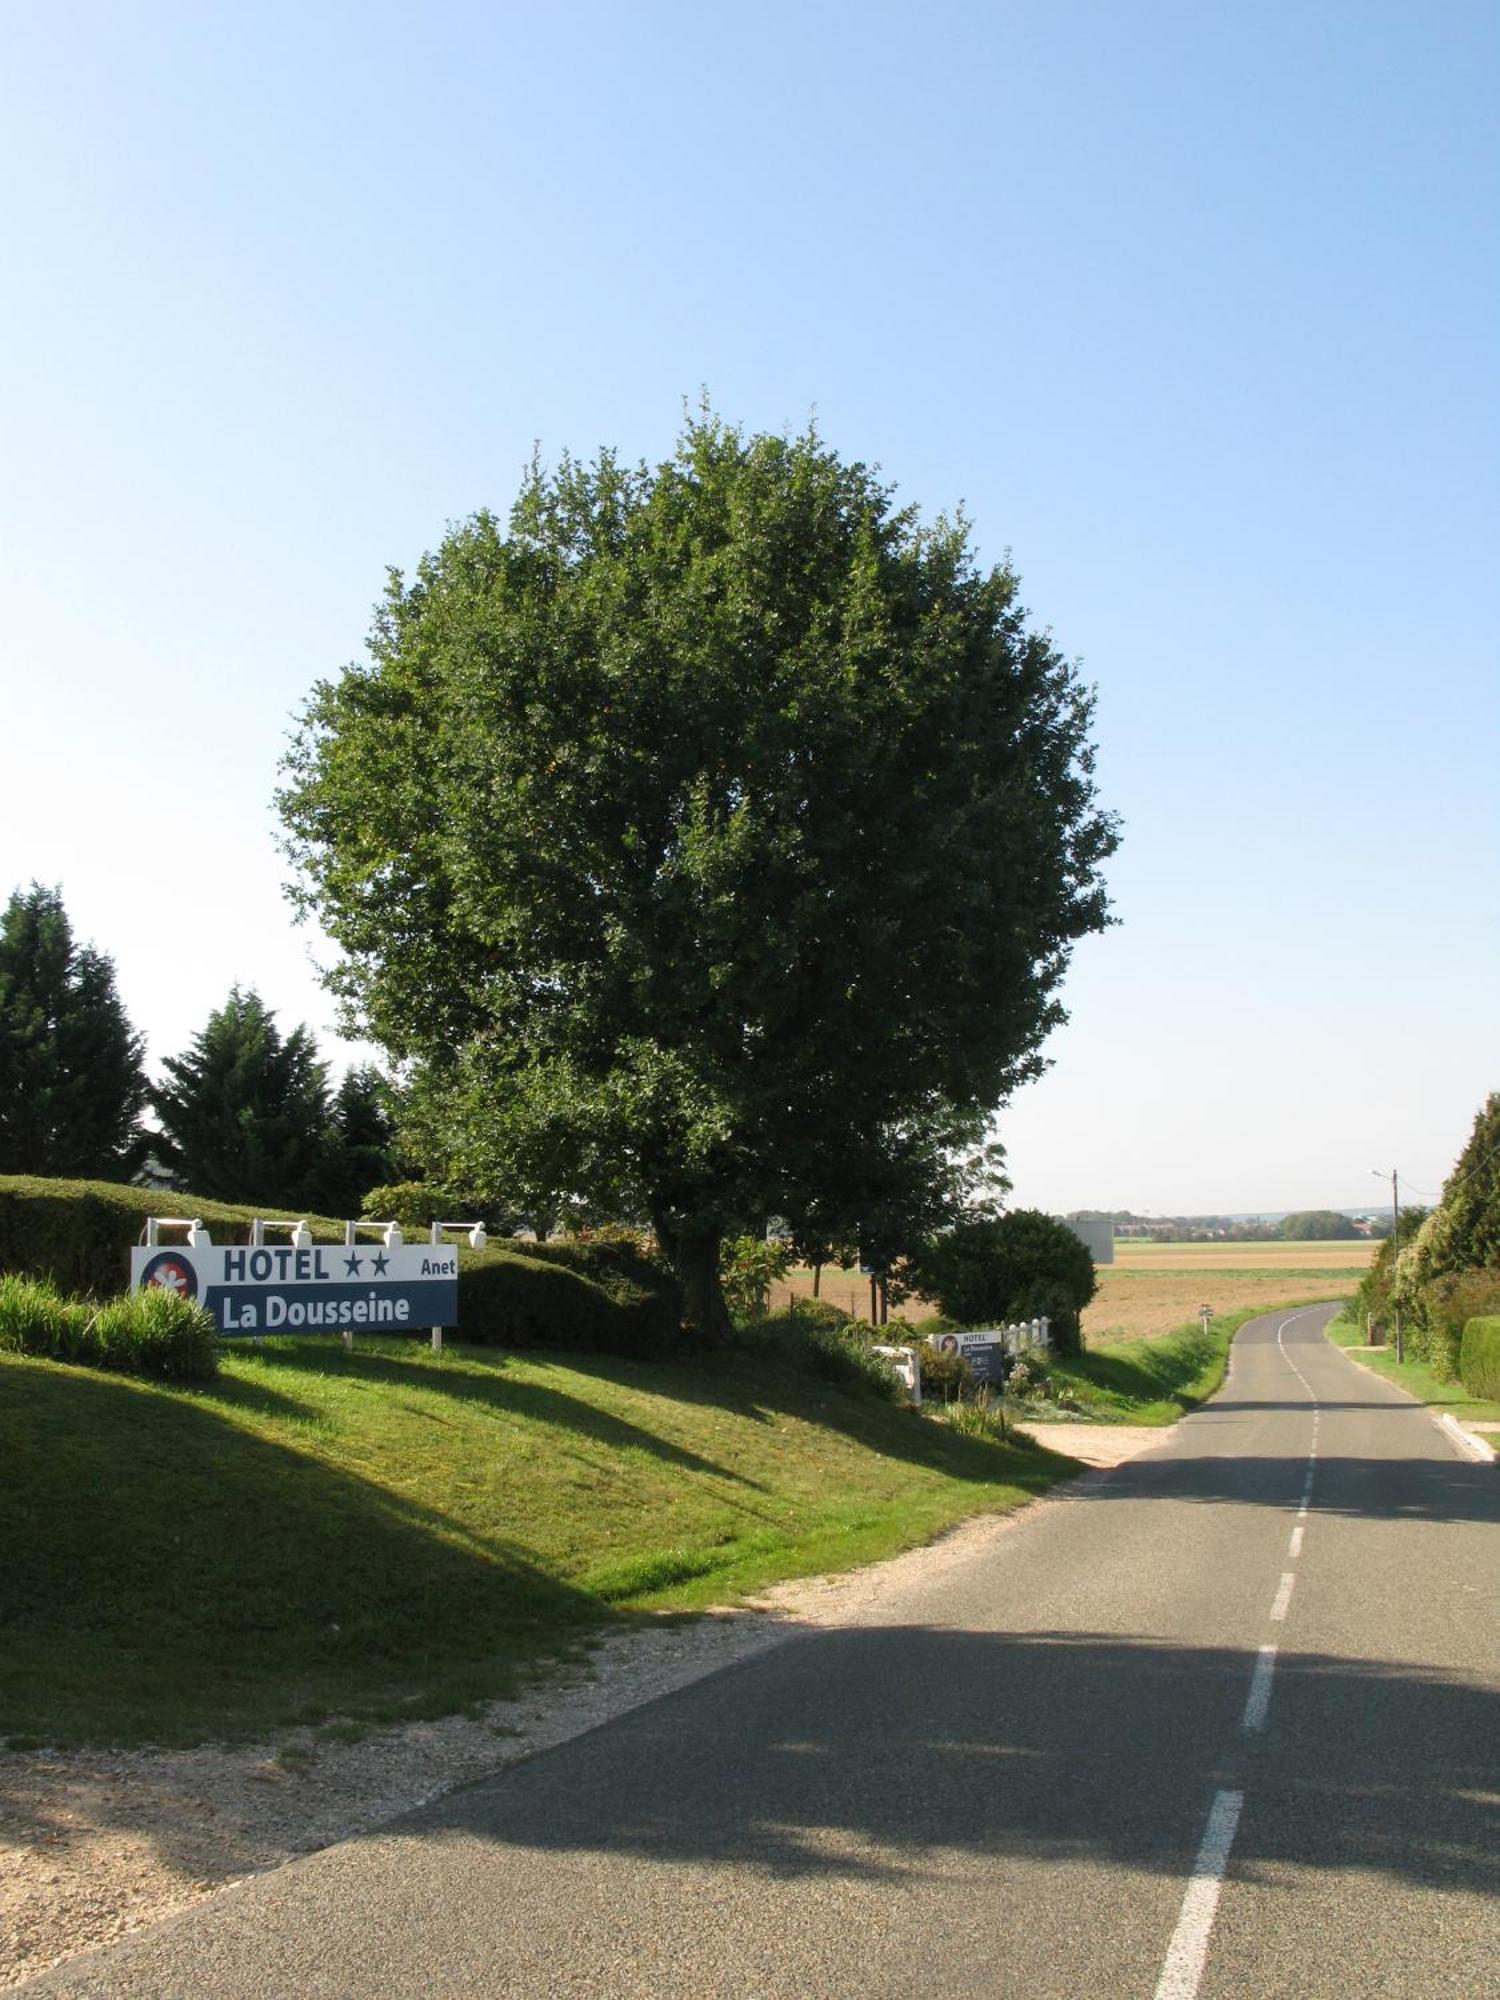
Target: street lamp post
(1380, 1175)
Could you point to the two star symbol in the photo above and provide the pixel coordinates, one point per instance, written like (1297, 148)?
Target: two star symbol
(380, 1264)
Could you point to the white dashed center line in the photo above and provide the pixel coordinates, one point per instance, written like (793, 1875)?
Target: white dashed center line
(1188, 1951)
(1258, 1701)
(1187, 1954)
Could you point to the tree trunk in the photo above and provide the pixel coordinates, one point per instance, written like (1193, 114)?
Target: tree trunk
(692, 1250)
(817, 1280)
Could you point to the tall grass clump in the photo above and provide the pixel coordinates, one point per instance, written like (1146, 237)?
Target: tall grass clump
(156, 1333)
(152, 1333)
(977, 1417)
(35, 1319)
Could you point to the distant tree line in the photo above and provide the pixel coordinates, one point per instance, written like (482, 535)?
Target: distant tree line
(1326, 1225)
(244, 1114)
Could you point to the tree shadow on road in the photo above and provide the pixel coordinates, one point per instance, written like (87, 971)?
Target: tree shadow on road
(1379, 1489)
(880, 1750)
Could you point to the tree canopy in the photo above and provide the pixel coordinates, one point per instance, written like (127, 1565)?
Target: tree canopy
(72, 1087)
(1471, 1193)
(710, 842)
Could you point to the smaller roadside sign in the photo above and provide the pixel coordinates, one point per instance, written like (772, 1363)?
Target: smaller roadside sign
(327, 1288)
(984, 1351)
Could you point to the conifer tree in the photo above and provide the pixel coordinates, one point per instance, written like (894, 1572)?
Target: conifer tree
(360, 1148)
(72, 1087)
(244, 1111)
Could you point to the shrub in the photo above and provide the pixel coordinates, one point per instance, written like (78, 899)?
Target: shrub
(156, 1333)
(34, 1319)
(824, 1313)
(1372, 1301)
(827, 1345)
(152, 1333)
(923, 1329)
(416, 1205)
(978, 1417)
(1028, 1378)
(1444, 1307)
(1022, 1266)
(943, 1374)
(1479, 1358)
(748, 1267)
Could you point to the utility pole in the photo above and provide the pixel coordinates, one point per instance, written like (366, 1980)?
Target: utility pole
(1379, 1173)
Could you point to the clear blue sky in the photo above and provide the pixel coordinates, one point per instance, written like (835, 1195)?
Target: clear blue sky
(1194, 307)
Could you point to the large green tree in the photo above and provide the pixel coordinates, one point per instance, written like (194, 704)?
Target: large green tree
(244, 1110)
(704, 836)
(72, 1088)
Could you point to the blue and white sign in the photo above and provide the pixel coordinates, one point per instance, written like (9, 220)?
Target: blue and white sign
(279, 1288)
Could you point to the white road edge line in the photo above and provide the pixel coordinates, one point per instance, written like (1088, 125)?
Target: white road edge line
(1258, 1701)
(1187, 1954)
(1283, 1596)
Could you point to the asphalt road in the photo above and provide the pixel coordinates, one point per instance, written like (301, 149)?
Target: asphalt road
(1074, 1767)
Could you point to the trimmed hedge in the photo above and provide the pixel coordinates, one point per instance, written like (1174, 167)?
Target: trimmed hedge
(151, 1333)
(1479, 1360)
(79, 1234)
(603, 1298)
(1445, 1305)
(605, 1295)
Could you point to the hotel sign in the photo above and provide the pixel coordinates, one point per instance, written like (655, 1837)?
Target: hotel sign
(277, 1288)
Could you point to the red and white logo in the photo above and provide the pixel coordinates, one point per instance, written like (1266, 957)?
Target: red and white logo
(170, 1271)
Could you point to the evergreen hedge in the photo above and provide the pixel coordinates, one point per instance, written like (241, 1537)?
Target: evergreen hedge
(79, 1234)
(600, 1298)
(1479, 1360)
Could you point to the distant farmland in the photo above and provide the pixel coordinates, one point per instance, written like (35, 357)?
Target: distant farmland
(1153, 1287)
(1134, 1256)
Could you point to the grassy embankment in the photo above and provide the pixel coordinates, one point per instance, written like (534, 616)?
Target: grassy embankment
(1153, 1381)
(389, 1533)
(1415, 1377)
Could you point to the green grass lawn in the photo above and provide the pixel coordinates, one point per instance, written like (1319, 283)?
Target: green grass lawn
(390, 1532)
(1414, 1376)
